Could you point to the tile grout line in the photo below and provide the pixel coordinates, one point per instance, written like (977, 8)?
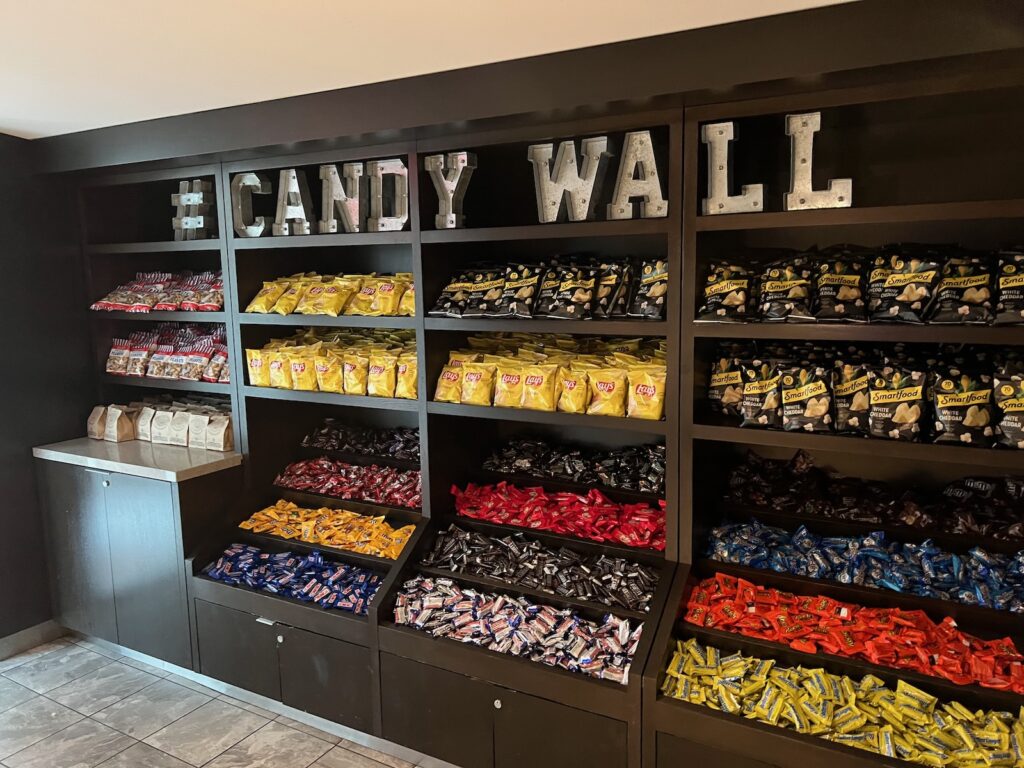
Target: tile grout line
(223, 750)
(59, 730)
(159, 679)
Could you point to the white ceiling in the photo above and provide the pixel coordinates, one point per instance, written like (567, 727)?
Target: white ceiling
(72, 65)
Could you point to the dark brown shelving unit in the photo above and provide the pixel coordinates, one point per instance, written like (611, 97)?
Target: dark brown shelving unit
(331, 398)
(554, 418)
(176, 385)
(160, 317)
(326, 321)
(911, 334)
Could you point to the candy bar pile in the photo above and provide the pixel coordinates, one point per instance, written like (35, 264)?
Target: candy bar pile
(979, 506)
(977, 578)
(377, 485)
(634, 468)
(505, 624)
(906, 724)
(331, 528)
(164, 291)
(889, 637)
(396, 443)
(518, 560)
(592, 516)
(310, 578)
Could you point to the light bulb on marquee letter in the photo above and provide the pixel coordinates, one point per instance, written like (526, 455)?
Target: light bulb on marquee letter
(243, 187)
(802, 196)
(450, 185)
(717, 136)
(551, 187)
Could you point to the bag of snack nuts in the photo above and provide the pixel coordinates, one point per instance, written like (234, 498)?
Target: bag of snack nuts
(1010, 308)
(806, 399)
(726, 294)
(898, 401)
(649, 301)
(910, 288)
(760, 404)
(1009, 397)
(965, 292)
(964, 412)
(786, 290)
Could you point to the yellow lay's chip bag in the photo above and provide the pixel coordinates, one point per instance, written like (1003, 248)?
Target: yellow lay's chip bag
(607, 392)
(355, 369)
(574, 395)
(290, 298)
(508, 384)
(380, 380)
(279, 361)
(259, 367)
(646, 397)
(477, 383)
(540, 387)
(328, 373)
(303, 368)
(265, 300)
(449, 385)
(407, 306)
(407, 382)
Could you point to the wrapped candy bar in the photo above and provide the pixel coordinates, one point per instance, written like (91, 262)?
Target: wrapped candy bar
(906, 723)
(311, 578)
(331, 528)
(516, 559)
(514, 625)
(889, 637)
(396, 443)
(377, 485)
(977, 578)
(592, 516)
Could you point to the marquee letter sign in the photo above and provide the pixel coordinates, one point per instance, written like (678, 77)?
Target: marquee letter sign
(377, 221)
(243, 186)
(192, 203)
(551, 188)
(802, 196)
(294, 206)
(638, 177)
(340, 196)
(450, 184)
(717, 136)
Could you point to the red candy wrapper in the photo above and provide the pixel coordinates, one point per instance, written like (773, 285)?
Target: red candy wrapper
(593, 516)
(378, 485)
(889, 637)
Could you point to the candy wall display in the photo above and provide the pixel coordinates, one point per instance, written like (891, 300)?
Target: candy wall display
(309, 293)
(373, 484)
(166, 291)
(905, 723)
(397, 443)
(992, 507)
(377, 363)
(977, 578)
(591, 516)
(336, 528)
(898, 283)
(518, 560)
(548, 372)
(516, 626)
(634, 468)
(951, 395)
(180, 351)
(310, 578)
(889, 637)
(571, 287)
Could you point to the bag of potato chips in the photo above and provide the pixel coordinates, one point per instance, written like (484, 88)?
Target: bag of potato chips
(328, 373)
(259, 367)
(449, 385)
(381, 374)
(964, 411)
(407, 304)
(407, 381)
(303, 371)
(574, 395)
(607, 392)
(477, 383)
(280, 364)
(540, 387)
(290, 299)
(646, 396)
(898, 402)
(508, 384)
(354, 372)
(806, 399)
(265, 300)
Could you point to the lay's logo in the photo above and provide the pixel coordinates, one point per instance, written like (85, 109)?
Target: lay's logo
(510, 378)
(277, 365)
(256, 362)
(322, 367)
(645, 390)
(368, 291)
(569, 384)
(386, 287)
(473, 377)
(450, 376)
(534, 381)
(376, 370)
(403, 368)
(349, 367)
(299, 367)
(606, 386)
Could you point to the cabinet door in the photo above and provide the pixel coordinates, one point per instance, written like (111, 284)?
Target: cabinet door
(326, 677)
(78, 553)
(148, 569)
(235, 648)
(674, 752)
(542, 734)
(439, 713)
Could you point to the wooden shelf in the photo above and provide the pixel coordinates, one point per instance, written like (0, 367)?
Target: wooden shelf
(549, 231)
(990, 458)
(321, 241)
(889, 214)
(544, 325)
(330, 398)
(548, 417)
(176, 384)
(167, 246)
(325, 321)
(883, 332)
(161, 317)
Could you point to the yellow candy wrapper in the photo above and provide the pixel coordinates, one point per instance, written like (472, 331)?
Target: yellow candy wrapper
(449, 385)
(259, 367)
(355, 370)
(540, 387)
(407, 382)
(574, 395)
(508, 384)
(646, 397)
(280, 368)
(607, 392)
(407, 305)
(477, 383)
(265, 300)
(328, 373)
(380, 381)
(303, 367)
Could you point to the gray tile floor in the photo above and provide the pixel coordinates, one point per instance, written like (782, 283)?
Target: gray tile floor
(71, 703)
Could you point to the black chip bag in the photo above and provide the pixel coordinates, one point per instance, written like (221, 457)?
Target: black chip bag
(760, 404)
(485, 290)
(910, 288)
(452, 300)
(786, 290)
(1008, 388)
(725, 387)
(651, 291)
(726, 294)
(839, 289)
(518, 292)
(549, 283)
(575, 297)
(610, 287)
(624, 298)
(1010, 284)
(965, 292)
(964, 411)
(806, 399)
(880, 268)
(898, 403)
(851, 382)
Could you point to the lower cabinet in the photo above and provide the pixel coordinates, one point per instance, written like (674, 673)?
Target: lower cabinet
(320, 675)
(476, 724)
(674, 752)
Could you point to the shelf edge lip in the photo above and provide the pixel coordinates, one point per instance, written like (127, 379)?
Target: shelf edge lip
(557, 230)
(339, 240)
(546, 325)
(156, 246)
(325, 321)
(556, 418)
(179, 384)
(160, 316)
(912, 334)
(330, 398)
(140, 458)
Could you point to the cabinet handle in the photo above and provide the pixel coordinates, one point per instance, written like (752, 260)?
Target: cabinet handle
(497, 703)
(268, 622)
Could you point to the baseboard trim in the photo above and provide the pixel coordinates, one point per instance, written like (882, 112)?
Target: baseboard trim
(29, 638)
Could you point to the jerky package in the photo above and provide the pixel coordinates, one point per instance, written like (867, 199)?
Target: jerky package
(910, 288)
(575, 297)
(484, 292)
(964, 294)
(726, 294)
(898, 403)
(850, 385)
(519, 291)
(725, 387)
(806, 399)
(840, 290)
(964, 412)
(547, 291)
(610, 287)
(760, 404)
(786, 290)
(452, 300)
(1009, 397)
(1010, 308)
(649, 300)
